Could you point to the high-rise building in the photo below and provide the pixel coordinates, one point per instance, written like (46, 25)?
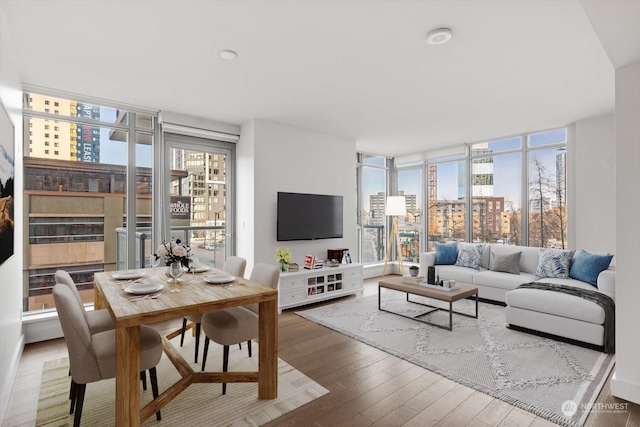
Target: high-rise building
(205, 184)
(481, 173)
(88, 137)
(63, 140)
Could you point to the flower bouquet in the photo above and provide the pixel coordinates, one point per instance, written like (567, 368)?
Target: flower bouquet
(174, 251)
(283, 256)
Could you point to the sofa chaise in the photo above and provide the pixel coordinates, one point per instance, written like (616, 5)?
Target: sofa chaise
(498, 273)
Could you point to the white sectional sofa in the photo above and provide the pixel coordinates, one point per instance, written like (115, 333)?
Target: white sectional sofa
(533, 310)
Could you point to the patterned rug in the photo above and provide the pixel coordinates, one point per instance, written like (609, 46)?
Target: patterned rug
(547, 378)
(198, 405)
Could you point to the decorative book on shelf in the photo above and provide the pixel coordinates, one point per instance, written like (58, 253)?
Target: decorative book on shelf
(311, 262)
(292, 266)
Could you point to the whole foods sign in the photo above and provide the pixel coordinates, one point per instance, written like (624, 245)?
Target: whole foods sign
(180, 207)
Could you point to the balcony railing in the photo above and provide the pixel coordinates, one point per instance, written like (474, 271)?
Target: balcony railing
(206, 242)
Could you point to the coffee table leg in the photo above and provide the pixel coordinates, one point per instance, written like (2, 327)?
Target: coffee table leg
(450, 315)
(379, 297)
(476, 305)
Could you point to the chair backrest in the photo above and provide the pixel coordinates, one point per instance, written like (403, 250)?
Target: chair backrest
(265, 274)
(77, 336)
(235, 266)
(65, 278)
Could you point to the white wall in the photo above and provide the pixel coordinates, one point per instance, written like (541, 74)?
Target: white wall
(11, 334)
(294, 160)
(594, 195)
(245, 188)
(626, 381)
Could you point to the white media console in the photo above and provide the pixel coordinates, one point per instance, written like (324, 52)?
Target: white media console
(308, 286)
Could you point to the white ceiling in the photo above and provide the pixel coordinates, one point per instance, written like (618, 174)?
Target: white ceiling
(361, 70)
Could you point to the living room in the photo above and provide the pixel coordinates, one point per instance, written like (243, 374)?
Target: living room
(274, 152)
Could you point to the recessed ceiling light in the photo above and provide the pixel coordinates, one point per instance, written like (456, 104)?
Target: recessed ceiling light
(228, 54)
(439, 36)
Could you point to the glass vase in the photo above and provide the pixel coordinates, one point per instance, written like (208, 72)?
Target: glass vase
(283, 266)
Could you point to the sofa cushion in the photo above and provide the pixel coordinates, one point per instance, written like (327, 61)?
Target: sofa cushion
(500, 280)
(454, 272)
(587, 267)
(528, 259)
(554, 263)
(556, 303)
(446, 253)
(507, 263)
(568, 282)
(470, 255)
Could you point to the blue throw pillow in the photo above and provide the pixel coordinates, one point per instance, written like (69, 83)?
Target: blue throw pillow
(446, 253)
(587, 267)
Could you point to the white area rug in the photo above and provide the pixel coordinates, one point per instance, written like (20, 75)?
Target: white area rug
(198, 405)
(535, 374)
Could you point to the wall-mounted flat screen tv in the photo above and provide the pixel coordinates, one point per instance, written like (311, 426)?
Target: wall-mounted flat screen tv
(309, 216)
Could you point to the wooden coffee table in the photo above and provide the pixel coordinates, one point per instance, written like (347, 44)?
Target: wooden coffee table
(465, 291)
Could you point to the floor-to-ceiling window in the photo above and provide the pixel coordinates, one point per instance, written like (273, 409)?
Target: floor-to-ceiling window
(411, 230)
(547, 200)
(496, 188)
(446, 200)
(372, 194)
(199, 192)
(516, 185)
(81, 161)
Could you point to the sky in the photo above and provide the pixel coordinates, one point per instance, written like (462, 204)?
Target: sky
(115, 152)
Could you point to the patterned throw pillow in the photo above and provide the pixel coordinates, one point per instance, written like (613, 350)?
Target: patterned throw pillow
(506, 263)
(446, 253)
(587, 267)
(470, 255)
(554, 263)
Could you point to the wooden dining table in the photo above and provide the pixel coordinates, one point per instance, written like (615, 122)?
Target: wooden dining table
(195, 296)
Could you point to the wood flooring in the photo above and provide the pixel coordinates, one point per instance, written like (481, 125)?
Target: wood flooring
(368, 387)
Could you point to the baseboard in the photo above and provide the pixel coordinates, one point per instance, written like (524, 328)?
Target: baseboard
(5, 395)
(557, 338)
(625, 390)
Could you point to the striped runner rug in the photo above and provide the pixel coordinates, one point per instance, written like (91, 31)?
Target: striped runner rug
(198, 405)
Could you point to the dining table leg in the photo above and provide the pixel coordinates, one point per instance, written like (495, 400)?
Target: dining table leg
(268, 350)
(127, 376)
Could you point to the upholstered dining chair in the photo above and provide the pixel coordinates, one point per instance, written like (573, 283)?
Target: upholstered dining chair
(233, 265)
(98, 320)
(235, 325)
(92, 357)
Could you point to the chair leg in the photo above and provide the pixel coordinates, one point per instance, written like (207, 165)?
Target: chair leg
(198, 328)
(240, 345)
(184, 328)
(206, 350)
(143, 378)
(154, 388)
(249, 345)
(80, 401)
(73, 391)
(225, 365)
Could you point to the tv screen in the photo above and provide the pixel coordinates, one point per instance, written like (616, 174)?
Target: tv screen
(309, 216)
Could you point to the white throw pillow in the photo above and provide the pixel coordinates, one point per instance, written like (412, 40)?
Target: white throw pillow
(470, 255)
(554, 263)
